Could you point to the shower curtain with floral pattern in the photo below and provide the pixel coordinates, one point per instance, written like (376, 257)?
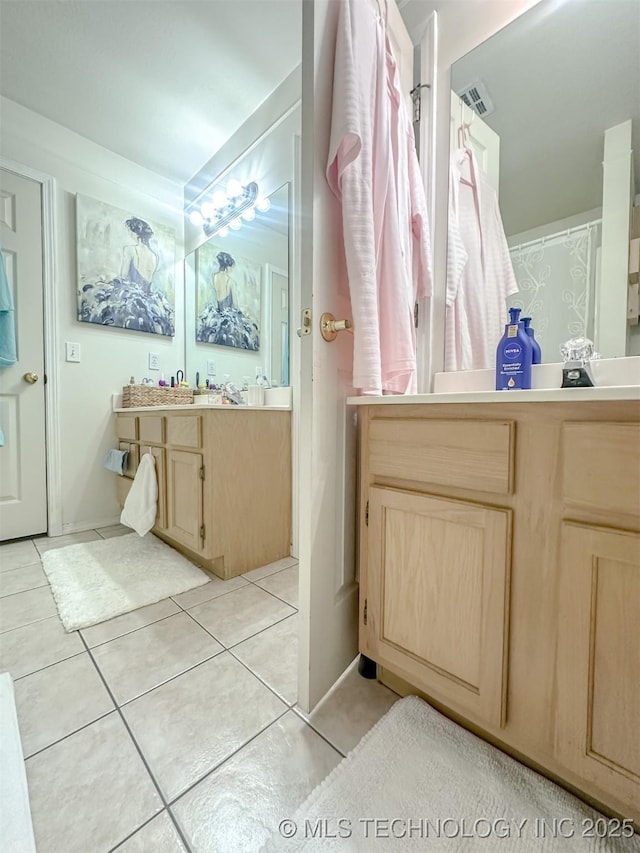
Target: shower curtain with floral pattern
(557, 280)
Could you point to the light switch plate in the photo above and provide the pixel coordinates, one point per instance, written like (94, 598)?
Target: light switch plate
(211, 368)
(72, 351)
(154, 361)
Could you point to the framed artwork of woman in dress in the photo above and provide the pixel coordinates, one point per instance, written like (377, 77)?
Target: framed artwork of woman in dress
(126, 269)
(228, 299)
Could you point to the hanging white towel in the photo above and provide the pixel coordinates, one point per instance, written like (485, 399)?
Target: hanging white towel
(141, 505)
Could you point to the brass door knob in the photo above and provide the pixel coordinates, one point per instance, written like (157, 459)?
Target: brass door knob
(31, 378)
(329, 326)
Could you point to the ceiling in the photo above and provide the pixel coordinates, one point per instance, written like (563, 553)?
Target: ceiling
(161, 83)
(165, 83)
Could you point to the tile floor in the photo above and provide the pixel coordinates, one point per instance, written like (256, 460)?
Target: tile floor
(173, 728)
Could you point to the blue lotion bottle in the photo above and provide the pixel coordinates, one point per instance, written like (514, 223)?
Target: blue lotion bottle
(514, 356)
(535, 346)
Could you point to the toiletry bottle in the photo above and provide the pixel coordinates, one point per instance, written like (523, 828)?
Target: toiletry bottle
(535, 346)
(514, 356)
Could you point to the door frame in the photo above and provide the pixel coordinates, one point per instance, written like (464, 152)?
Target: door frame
(53, 465)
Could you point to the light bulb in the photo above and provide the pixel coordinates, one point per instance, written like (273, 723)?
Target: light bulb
(195, 218)
(219, 199)
(207, 209)
(249, 215)
(263, 204)
(236, 224)
(234, 188)
(223, 232)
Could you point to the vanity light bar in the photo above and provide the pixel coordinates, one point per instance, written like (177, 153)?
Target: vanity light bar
(226, 208)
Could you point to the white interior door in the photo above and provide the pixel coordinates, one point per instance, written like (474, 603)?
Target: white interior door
(328, 586)
(484, 141)
(23, 497)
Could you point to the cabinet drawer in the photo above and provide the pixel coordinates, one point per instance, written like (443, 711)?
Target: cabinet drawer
(127, 427)
(184, 431)
(152, 429)
(132, 460)
(600, 466)
(464, 454)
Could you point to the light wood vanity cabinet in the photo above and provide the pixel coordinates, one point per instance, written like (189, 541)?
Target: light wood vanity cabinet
(224, 482)
(500, 577)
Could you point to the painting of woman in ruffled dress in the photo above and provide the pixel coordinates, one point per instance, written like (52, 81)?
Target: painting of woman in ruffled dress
(228, 309)
(125, 270)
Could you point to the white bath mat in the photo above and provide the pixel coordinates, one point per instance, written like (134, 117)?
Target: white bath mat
(418, 781)
(95, 581)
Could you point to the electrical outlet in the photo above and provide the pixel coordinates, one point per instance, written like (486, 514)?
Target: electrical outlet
(72, 351)
(211, 368)
(154, 361)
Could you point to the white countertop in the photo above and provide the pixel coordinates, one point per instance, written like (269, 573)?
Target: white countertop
(541, 395)
(204, 407)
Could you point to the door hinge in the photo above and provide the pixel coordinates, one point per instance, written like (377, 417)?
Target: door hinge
(416, 314)
(202, 472)
(366, 515)
(415, 97)
(364, 613)
(202, 532)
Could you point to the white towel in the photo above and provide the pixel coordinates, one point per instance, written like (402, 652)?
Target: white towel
(141, 505)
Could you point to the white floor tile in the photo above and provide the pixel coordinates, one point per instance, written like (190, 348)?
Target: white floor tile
(22, 579)
(89, 791)
(352, 706)
(48, 543)
(236, 808)
(13, 555)
(270, 568)
(137, 662)
(157, 836)
(37, 645)
(23, 608)
(105, 631)
(284, 584)
(113, 530)
(210, 590)
(273, 656)
(58, 700)
(233, 617)
(187, 726)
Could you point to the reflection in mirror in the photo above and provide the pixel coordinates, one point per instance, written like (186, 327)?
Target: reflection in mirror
(237, 301)
(526, 210)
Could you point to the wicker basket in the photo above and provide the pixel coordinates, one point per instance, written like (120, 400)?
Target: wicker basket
(150, 395)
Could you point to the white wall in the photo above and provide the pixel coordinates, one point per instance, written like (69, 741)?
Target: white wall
(109, 356)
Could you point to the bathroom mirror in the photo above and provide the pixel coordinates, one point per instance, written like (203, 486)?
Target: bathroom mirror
(237, 301)
(546, 88)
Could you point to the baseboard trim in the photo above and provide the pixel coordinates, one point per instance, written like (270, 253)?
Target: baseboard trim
(81, 526)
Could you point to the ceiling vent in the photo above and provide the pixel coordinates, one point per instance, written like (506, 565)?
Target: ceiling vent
(476, 97)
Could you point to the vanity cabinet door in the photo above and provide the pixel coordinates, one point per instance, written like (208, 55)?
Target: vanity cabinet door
(158, 456)
(598, 661)
(184, 498)
(436, 611)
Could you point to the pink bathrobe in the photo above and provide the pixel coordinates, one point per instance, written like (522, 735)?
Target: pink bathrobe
(373, 170)
(480, 275)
